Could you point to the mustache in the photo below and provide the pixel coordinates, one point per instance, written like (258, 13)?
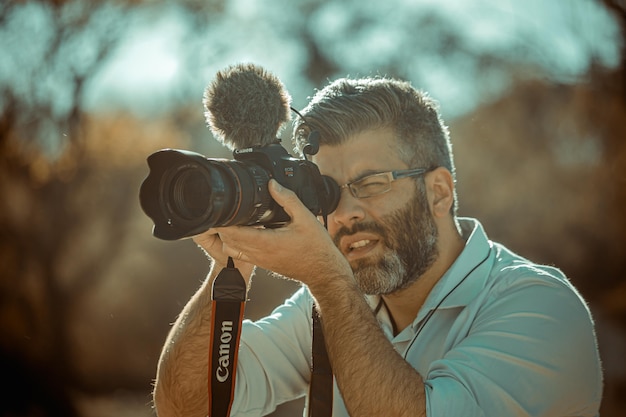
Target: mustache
(359, 227)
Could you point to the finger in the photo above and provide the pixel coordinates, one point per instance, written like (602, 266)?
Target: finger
(236, 238)
(286, 198)
(206, 239)
(237, 255)
(228, 250)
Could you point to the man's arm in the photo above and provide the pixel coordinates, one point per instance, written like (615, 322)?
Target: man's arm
(181, 383)
(372, 376)
(180, 387)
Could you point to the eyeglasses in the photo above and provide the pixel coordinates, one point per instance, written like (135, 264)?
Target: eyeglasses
(380, 183)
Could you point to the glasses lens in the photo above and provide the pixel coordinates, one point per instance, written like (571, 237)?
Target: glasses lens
(371, 185)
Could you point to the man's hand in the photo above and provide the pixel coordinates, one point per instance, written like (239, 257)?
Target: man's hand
(301, 250)
(215, 249)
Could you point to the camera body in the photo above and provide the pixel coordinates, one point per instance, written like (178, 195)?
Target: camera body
(186, 193)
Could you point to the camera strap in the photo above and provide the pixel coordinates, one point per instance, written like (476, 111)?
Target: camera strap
(229, 297)
(321, 387)
(320, 400)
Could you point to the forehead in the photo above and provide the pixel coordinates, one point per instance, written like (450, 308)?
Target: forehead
(365, 152)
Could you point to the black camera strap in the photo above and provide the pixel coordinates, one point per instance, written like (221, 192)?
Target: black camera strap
(229, 297)
(321, 387)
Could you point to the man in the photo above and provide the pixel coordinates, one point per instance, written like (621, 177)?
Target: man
(422, 314)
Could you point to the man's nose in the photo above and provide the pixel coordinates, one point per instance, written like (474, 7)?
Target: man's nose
(349, 210)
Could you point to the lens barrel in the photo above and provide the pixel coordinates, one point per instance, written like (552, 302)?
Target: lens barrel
(186, 193)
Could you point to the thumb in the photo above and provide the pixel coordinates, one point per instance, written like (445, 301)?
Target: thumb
(286, 198)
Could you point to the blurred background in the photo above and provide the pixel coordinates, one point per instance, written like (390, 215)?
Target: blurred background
(534, 93)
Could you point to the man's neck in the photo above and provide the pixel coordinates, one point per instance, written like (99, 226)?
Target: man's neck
(404, 305)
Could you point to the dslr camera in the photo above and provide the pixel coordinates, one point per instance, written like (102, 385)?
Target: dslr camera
(186, 193)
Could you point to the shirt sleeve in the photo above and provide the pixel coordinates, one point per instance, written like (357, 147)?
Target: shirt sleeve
(274, 358)
(529, 350)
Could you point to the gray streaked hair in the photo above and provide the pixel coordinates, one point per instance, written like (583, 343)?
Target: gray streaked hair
(350, 106)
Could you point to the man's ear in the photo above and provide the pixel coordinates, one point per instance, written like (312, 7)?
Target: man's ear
(440, 185)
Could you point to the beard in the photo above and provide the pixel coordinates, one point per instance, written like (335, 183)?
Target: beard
(409, 236)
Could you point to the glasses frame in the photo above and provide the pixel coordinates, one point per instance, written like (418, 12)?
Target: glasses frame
(391, 177)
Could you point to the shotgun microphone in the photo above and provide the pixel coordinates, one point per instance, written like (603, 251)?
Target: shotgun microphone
(246, 106)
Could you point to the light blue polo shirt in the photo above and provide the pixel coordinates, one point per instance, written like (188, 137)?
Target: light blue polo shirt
(497, 336)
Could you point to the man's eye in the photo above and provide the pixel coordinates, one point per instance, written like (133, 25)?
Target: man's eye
(372, 183)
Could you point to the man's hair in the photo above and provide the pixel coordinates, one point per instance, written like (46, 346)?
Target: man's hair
(350, 106)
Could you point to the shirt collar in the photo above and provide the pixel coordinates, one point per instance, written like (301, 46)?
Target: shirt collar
(475, 260)
(467, 275)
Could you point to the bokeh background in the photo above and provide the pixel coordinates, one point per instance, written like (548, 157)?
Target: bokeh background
(534, 92)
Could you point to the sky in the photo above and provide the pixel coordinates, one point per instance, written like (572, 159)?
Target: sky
(146, 71)
(563, 38)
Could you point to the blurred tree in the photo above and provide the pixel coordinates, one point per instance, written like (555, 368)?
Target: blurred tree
(49, 212)
(52, 49)
(69, 183)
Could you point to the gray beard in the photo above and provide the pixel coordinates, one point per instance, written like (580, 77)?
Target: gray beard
(410, 238)
(384, 277)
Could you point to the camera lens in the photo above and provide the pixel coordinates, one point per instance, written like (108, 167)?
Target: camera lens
(186, 193)
(191, 193)
(201, 193)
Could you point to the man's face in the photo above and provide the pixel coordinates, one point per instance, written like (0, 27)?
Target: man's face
(390, 239)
